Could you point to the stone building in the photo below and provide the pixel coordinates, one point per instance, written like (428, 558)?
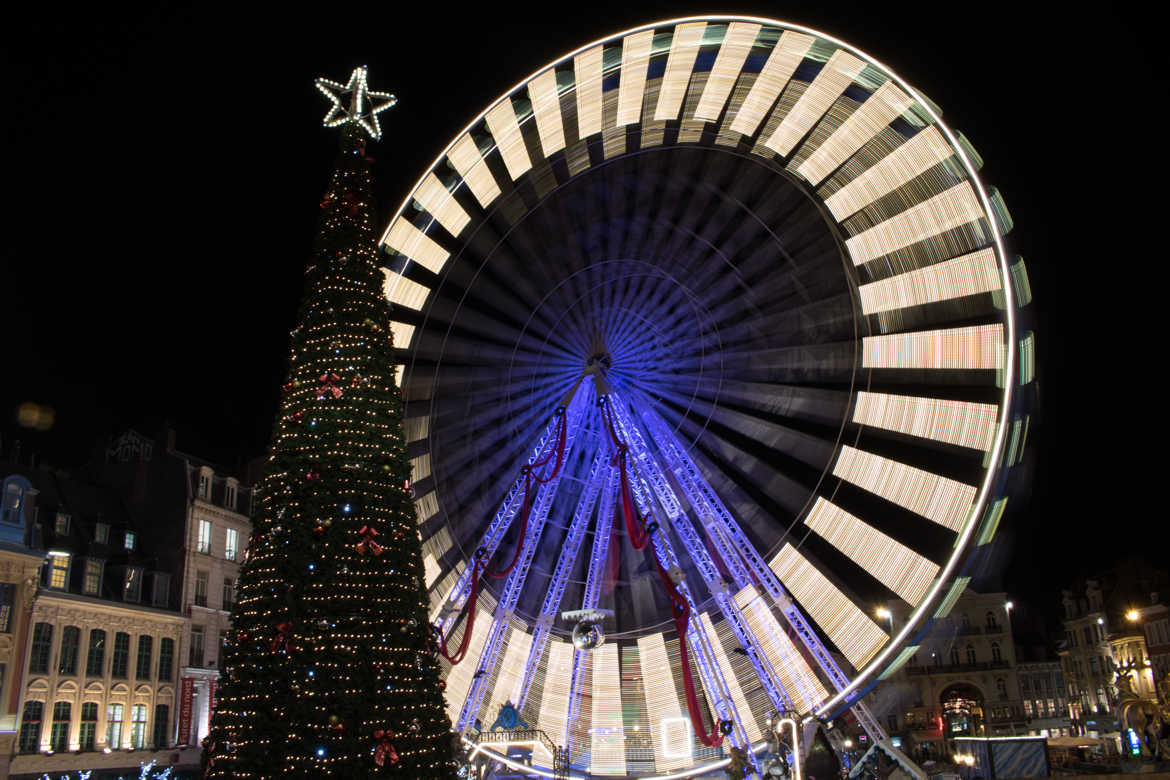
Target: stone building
(99, 667)
(962, 681)
(1044, 697)
(20, 564)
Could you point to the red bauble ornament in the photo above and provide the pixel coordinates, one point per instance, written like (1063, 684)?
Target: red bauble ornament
(312, 476)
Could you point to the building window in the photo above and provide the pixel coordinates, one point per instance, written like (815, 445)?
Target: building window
(995, 655)
(991, 621)
(232, 545)
(205, 537)
(129, 539)
(138, 726)
(101, 533)
(42, 647)
(145, 653)
(7, 599)
(1027, 708)
(162, 589)
(229, 592)
(93, 577)
(114, 726)
(196, 646)
(59, 736)
(162, 716)
(954, 656)
(30, 726)
(133, 588)
(204, 485)
(201, 578)
(121, 660)
(1088, 632)
(88, 736)
(229, 496)
(222, 647)
(938, 658)
(61, 526)
(13, 506)
(166, 660)
(1000, 686)
(70, 640)
(971, 654)
(95, 662)
(58, 570)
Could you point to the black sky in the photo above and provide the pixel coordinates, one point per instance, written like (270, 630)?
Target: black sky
(164, 171)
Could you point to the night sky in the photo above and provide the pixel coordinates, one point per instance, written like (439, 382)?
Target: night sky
(164, 173)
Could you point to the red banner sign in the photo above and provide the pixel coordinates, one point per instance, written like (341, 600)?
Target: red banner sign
(186, 700)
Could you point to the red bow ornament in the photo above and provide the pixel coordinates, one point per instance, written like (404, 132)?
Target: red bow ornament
(352, 201)
(367, 542)
(384, 751)
(283, 641)
(329, 385)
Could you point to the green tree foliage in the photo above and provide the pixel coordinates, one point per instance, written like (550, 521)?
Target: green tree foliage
(330, 669)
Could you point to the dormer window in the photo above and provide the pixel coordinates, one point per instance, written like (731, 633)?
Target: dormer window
(133, 587)
(13, 501)
(58, 569)
(229, 495)
(130, 539)
(205, 485)
(101, 533)
(61, 526)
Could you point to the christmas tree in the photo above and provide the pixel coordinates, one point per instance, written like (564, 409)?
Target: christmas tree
(331, 667)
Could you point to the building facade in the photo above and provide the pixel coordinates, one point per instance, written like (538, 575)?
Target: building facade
(1044, 698)
(962, 681)
(218, 530)
(20, 565)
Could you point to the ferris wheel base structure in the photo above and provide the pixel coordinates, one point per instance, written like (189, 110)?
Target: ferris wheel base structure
(708, 332)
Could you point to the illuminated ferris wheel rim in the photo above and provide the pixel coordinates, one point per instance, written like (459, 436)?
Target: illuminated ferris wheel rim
(994, 454)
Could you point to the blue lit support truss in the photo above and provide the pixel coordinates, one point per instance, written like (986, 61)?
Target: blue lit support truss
(598, 475)
(650, 471)
(593, 581)
(455, 600)
(739, 553)
(514, 584)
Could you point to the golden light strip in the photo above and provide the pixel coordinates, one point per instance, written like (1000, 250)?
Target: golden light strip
(733, 52)
(889, 561)
(435, 198)
(945, 501)
(974, 347)
(949, 209)
(399, 372)
(783, 60)
(828, 85)
(460, 676)
(968, 274)
(684, 47)
(922, 152)
(883, 107)
(420, 467)
(438, 591)
(426, 506)
(501, 121)
(434, 548)
(554, 698)
(607, 754)
(613, 137)
(587, 71)
(510, 675)
(406, 238)
(465, 156)
(850, 629)
(635, 60)
(661, 695)
(546, 106)
(799, 680)
(402, 291)
(963, 423)
(402, 334)
(742, 708)
(416, 428)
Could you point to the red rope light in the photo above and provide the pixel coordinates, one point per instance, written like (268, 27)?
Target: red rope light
(468, 609)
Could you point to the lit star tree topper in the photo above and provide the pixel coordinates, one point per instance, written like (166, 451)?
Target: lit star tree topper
(355, 102)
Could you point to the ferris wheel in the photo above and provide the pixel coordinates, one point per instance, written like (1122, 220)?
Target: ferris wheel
(708, 336)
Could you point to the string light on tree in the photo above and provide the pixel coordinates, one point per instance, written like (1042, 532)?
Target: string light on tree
(329, 670)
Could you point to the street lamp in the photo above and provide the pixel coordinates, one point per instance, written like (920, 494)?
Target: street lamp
(1132, 615)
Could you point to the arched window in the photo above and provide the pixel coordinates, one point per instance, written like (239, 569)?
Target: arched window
(991, 620)
(971, 654)
(954, 656)
(995, 654)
